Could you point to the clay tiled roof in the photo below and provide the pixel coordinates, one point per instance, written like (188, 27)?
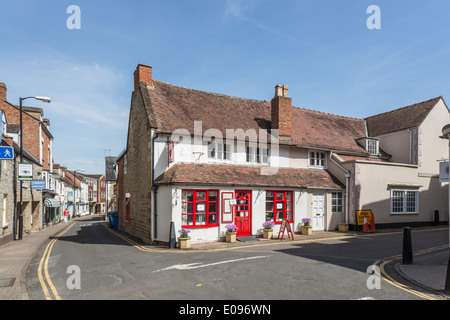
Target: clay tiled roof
(232, 175)
(400, 119)
(322, 130)
(177, 107)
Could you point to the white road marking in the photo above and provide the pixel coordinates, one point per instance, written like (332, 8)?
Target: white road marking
(200, 265)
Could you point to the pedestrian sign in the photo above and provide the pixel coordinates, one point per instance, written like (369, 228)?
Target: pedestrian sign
(6, 153)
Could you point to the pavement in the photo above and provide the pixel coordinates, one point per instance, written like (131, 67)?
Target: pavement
(428, 270)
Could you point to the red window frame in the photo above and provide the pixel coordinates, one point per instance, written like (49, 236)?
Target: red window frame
(280, 206)
(196, 202)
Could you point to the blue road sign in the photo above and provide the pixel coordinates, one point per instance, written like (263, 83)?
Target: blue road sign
(6, 153)
(38, 184)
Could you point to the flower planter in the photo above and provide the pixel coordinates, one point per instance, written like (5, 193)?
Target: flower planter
(231, 236)
(267, 233)
(307, 231)
(184, 243)
(343, 227)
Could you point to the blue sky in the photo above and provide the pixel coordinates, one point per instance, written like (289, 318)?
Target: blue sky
(322, 49)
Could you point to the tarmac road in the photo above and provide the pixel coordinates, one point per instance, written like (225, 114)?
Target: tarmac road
(89, 261)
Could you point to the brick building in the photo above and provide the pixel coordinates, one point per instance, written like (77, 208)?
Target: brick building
(204, 160)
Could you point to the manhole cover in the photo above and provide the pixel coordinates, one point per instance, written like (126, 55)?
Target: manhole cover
(7, 282)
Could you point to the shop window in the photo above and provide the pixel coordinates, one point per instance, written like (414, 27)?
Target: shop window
(200, 208)
(279, 206)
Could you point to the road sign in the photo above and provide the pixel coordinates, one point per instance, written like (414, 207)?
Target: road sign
(25, 172)
(6, 153)
(38, 184)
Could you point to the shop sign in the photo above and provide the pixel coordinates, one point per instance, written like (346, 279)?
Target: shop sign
(25, 172)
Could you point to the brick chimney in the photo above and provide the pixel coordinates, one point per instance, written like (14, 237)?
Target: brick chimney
(143, 73)
(282, 112)
(2, 91)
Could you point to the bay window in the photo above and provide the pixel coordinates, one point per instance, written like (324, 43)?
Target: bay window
(199, 208)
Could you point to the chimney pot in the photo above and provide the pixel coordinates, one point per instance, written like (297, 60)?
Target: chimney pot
(281, 91)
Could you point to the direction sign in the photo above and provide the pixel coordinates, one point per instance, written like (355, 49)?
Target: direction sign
(6, 153)
(38, 184)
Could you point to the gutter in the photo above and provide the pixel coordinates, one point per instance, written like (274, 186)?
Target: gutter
(347, 184)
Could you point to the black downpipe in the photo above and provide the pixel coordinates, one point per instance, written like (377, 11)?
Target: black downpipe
(154, 187)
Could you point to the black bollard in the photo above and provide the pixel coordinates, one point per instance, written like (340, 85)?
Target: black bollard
(436, 217)
(407, 246)
(173, 240)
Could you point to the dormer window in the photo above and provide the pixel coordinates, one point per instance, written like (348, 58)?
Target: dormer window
(372, 146)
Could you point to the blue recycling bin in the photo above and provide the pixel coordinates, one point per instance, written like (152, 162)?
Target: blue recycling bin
(115, 219)
(110, 217)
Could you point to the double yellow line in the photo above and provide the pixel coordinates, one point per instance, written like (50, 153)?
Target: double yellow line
(44, 265)
(397, 284)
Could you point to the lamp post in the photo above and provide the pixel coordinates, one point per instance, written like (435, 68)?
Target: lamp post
(74, 177)
(446, 135)
(43, 99)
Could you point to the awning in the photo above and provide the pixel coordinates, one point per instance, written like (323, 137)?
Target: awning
(52, 203)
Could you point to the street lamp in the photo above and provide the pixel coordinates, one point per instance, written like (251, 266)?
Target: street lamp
(446, 135)
(43, 99)
(74, 177)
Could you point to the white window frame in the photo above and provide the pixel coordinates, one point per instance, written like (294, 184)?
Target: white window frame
(219, 151)
(5, 211)
(370, 147)
(317, 159)
(335, 207)
(256, 155)
(405, 201)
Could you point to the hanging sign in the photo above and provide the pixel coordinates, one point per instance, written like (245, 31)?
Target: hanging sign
(25, 172)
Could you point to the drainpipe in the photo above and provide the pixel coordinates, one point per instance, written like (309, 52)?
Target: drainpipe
(347, 184)
(154, 187)
(410, 146)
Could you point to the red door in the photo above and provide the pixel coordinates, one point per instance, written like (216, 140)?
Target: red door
(243, 213)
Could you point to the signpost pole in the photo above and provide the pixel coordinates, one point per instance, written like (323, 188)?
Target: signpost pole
(21, 182)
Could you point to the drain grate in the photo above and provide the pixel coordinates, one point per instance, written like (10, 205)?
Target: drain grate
(7, 282)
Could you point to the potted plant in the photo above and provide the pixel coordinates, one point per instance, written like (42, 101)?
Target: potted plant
(184, 241)
(306, 226)
(231, 232)
(268, 229)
